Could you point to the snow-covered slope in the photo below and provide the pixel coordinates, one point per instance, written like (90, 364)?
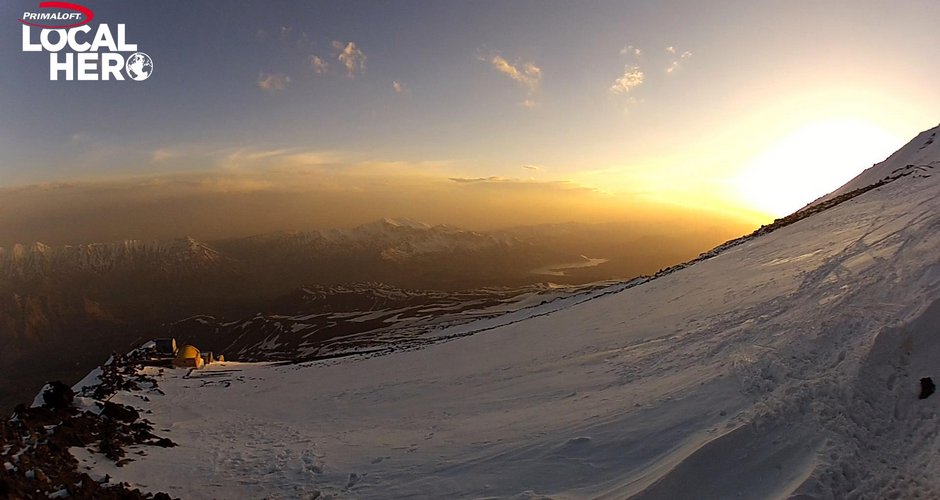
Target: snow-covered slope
(785, 366)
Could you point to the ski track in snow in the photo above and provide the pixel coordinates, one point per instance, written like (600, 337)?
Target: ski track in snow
(787, 366)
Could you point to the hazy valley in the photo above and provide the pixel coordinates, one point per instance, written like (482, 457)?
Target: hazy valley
(70, 305)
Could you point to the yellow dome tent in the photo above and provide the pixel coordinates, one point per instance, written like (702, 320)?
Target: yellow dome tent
(188, 357)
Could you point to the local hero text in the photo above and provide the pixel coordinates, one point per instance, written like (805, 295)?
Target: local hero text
(92, 57)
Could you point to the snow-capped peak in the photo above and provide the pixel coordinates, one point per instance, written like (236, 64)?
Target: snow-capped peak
(387, 223)
(405, 222)
(182, 254)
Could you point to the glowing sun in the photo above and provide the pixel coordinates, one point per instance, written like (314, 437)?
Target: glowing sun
(812, 161)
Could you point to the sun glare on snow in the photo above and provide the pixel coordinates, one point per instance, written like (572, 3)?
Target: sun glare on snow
(812, 161)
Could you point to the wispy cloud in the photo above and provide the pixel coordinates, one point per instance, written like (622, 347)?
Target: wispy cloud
(351, 57)
(319, 65)
(549, 188)
(164, 154)
(474, 180)
(630, 50)
(525, 73)
(632, 78)
(216, 184)
(678, 59)
(532, 167)
(275, 160)
(273, 82)
(221, 204)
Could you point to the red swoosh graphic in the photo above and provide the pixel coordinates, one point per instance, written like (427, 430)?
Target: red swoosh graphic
(89, 15)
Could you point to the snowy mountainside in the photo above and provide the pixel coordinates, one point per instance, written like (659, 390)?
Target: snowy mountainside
(787, 365)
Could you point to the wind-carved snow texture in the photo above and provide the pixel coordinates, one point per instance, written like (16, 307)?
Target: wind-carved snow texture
(787, 365)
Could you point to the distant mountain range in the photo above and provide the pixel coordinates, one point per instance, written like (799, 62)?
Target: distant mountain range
(68, 303)
(39, 261)
(386, 241)
(396, 251)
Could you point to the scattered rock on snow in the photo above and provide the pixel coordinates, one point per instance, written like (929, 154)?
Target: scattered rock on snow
(927, 387)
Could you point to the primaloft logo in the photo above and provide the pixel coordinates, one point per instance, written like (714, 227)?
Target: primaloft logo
(64, 31)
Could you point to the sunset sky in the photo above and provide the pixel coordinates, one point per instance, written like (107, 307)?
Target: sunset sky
(745, 110)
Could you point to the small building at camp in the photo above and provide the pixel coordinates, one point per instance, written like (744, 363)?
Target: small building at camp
(165, 347)
(188, 357)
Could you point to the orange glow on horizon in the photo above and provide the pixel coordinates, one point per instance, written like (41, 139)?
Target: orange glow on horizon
(811, 161)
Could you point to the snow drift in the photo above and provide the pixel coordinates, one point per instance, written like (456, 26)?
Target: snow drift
(785, 366)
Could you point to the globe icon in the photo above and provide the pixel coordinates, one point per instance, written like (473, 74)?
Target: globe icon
(139, 66)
